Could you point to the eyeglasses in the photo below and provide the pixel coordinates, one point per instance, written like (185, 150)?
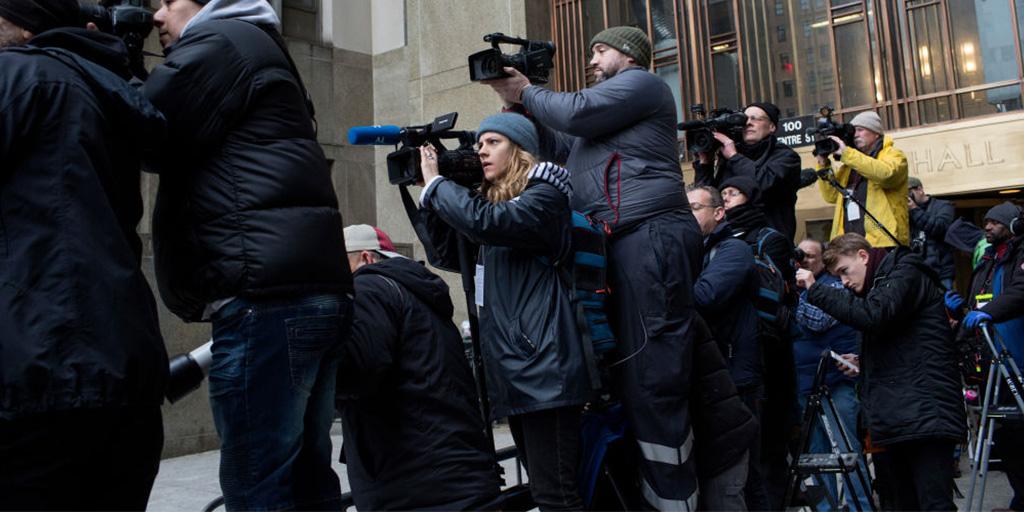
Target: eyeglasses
(757, 119)
(731, 193)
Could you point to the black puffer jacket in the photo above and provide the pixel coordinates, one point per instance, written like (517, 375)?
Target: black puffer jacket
(78, 324)
(929, 223)
(414, 436)
(246, 205)
(777, 172)
(911, 384)
(532, 348)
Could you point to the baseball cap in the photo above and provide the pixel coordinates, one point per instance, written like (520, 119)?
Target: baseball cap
(364, 237)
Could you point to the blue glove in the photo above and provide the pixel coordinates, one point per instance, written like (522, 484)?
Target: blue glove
(975, 318)
(954, 301)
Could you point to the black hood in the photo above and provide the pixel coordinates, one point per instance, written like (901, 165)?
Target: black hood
(414, 277)
(104, 49)
(102, 62)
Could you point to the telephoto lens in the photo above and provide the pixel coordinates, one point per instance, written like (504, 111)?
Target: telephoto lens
(187, 372)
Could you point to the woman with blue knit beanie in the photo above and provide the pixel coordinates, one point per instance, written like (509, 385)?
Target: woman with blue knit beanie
(521, 222)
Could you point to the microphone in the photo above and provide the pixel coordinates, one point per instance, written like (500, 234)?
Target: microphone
(386, 135)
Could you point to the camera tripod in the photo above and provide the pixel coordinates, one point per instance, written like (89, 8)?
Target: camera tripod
(991, 412)
(840, 460)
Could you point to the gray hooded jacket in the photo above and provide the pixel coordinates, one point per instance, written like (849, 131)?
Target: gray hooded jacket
(618, 139)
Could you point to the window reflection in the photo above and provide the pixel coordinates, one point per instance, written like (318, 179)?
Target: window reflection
(983, 45)
(928, 50)
(631, 13)
(727, 81)
(720, 17)
(854, 65)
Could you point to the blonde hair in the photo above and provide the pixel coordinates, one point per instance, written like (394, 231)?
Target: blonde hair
(513, 182)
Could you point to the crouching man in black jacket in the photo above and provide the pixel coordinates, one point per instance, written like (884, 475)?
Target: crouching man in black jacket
(414, 435)
(911, 387)
(82, 363)
(247, 235)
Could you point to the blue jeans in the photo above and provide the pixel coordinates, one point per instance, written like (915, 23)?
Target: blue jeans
(844, 396)
(272, 393)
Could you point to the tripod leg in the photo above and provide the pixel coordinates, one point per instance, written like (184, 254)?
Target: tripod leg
(985, 461)
(982, 428)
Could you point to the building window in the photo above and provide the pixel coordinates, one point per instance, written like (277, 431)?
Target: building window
(914, 61)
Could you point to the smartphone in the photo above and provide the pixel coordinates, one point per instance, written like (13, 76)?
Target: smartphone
(843, 362)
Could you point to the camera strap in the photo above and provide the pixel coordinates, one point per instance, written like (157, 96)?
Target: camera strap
(418, 224)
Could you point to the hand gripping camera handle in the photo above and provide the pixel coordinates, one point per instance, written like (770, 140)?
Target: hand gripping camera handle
(187, 371)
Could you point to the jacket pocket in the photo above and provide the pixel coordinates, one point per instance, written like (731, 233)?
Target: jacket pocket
(523, 343)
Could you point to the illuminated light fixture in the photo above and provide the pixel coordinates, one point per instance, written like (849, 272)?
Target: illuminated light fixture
(820, 24)
(967, 50)
(926, 65)
(848, 17)
(1010, 191)
(878, 88)
(719, 47)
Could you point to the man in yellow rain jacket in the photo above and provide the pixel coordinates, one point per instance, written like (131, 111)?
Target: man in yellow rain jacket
(876, 173)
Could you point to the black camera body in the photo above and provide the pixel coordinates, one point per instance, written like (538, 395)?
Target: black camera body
(461, 165)
(826, 127)
(130, 20)
(700, 136)
(534, 59)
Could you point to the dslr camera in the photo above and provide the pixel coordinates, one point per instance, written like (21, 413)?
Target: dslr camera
(823, 145)
(130, 20)
(461, 165)
(534, 59)
(700, 136)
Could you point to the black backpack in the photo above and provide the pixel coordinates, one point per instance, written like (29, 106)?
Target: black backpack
(770, 294)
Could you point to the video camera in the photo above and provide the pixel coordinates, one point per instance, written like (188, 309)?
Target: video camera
(826, 127)
(534, 59)
(700, 136)
(461, 165)
(130, 20)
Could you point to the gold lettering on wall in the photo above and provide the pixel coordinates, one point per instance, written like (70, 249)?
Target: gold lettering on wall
(954, 158)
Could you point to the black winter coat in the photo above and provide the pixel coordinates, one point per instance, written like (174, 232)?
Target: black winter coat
(724, 427)
(929, 223)
(246, 205)
(777, 172)
(78, 324)
(911, 385)
(532, 348)
(1009, 303)
(723, 295)
(414, 436)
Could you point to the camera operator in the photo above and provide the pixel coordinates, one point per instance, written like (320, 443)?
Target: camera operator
(997, 297)
(820, 332)
(723, 294)
(82, 362)
(414, 437)
(247, 234)
(876, 174)
(773, 165)
(930, 218)
(533, 351)
(911, 387)
(618, 138)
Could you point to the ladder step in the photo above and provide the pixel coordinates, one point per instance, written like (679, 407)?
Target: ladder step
(813, 463)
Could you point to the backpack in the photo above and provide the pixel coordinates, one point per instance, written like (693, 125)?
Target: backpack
(585, 271)
(770, 294)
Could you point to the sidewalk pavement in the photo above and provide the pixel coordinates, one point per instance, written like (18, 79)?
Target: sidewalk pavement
(187, 484)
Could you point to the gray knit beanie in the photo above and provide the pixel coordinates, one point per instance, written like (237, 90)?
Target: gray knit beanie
(1003, 213)
(869, 120)
(628, 40)
(516, 127)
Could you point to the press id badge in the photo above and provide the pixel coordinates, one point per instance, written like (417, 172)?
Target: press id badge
(478, 288)
(852, 210)
(982, 300)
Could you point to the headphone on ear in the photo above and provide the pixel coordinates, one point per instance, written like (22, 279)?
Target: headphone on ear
(1017, 225)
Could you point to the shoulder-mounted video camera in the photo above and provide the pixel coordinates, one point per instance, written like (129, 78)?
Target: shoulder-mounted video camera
(700, 136)
(826, 127)
(461, 165)
(534, 59)
(131, 20)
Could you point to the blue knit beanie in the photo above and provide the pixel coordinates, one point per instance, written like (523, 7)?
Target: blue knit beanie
(516, 127)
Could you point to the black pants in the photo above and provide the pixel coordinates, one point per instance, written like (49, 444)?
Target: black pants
(920, 474)
(92, 459)
(548, 443)
(754, 491)
(651, 273)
